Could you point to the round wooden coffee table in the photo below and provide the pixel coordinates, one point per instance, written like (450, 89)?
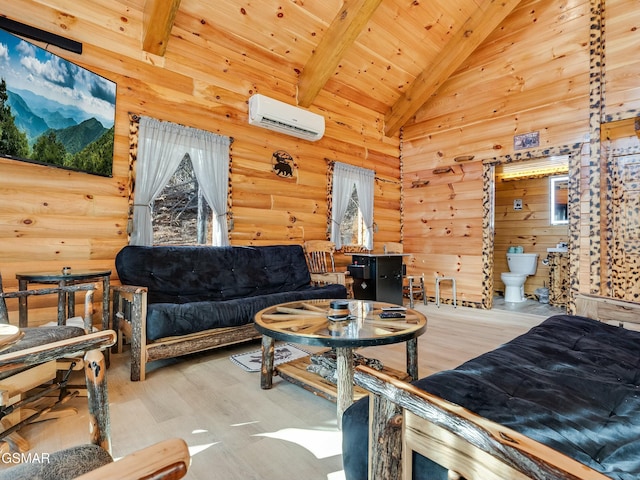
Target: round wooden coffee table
(305, 322)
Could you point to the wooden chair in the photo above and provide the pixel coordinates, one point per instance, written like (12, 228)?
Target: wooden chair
(408, 281)
(29, 361)
(322, 266)
(31, 386)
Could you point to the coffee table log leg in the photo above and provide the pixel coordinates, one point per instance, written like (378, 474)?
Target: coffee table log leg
(266, 372)
(345, 380)
(412, 358)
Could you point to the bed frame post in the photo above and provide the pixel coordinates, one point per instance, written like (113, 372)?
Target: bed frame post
(385, 439)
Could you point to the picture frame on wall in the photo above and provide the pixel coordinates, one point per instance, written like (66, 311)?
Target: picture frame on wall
(526, 140)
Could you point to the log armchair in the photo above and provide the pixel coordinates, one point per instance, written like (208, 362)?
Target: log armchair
(322, 266)
(31, 358)
(31, 385)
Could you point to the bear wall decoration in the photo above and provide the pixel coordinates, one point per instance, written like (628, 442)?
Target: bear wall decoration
(282, 164)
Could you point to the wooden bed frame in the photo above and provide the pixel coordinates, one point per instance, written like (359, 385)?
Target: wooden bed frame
(406, 419)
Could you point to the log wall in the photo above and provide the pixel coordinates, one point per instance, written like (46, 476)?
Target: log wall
(534, 73)
(545, 69)
(53, 218)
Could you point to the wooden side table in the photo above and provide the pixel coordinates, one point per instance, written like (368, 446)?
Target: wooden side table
(66, 302)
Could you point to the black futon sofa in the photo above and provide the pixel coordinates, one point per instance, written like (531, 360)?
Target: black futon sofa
(571, 383)
(176, 300)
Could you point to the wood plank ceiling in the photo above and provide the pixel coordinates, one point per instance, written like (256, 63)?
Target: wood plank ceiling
(388, 55)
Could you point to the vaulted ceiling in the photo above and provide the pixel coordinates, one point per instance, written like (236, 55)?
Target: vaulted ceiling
(388, 55)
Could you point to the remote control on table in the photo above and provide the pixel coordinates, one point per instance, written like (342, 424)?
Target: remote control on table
(392, 315)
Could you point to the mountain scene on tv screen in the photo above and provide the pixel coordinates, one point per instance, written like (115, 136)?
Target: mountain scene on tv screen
(53, 111)
(49, 133)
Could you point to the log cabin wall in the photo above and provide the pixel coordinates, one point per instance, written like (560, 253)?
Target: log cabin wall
(620, 172)
(51, 217)
(546, 69)
(541, 70)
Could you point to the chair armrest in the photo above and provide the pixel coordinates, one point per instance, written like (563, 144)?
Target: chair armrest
(89, 288)
(48, 291)
(56, 350)
(168, 459)
(129, 303)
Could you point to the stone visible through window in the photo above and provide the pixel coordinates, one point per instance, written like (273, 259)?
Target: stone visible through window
(180, 214)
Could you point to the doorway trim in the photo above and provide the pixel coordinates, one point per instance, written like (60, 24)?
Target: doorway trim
(574, 152)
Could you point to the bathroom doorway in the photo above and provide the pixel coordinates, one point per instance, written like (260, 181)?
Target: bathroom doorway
(518, 213)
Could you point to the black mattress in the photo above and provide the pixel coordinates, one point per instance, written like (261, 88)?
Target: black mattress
(571, 383)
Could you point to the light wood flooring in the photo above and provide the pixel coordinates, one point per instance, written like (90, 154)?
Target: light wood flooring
(235, 430)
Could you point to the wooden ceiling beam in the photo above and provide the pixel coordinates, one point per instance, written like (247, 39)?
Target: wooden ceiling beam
(474, 31)
(158, 19)
(342, 32)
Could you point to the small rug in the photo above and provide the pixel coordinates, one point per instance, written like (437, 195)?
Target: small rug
(252, 361)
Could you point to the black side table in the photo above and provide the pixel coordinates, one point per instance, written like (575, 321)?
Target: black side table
(66, 302)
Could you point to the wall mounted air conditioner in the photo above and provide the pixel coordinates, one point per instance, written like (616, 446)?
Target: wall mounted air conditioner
(281, 117)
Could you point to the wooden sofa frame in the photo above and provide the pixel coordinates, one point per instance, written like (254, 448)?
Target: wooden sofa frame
(406, 419)
(129, 320)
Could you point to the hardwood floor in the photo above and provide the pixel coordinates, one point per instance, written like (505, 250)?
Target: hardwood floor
(235, 430)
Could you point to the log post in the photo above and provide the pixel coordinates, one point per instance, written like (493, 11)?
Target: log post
(385, 439)
(344, 361)
(98, 399)
(266, 372)
(412, 358)
(138, 336)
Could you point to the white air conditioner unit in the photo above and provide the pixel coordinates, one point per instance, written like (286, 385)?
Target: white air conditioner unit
(281, 117)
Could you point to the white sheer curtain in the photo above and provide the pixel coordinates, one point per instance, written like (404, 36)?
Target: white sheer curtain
(344, 178)
(161, 148)
(211, 165)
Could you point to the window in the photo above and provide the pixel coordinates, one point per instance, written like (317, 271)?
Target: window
(180, 215)
(352, 227)
(352, 212)
(161, 148)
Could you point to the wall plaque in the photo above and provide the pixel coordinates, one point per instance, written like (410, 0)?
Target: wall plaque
(526, 140)
(282, 164)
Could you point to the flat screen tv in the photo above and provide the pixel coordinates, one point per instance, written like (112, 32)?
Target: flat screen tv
(52, 111)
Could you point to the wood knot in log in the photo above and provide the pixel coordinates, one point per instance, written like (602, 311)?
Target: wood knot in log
(396, 421)
(419, 183)
(506, 437)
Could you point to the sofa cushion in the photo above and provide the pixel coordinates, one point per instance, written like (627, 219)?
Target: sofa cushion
(184, 274)
(170, 319)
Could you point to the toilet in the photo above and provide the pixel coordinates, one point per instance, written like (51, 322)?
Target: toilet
(521, 265)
